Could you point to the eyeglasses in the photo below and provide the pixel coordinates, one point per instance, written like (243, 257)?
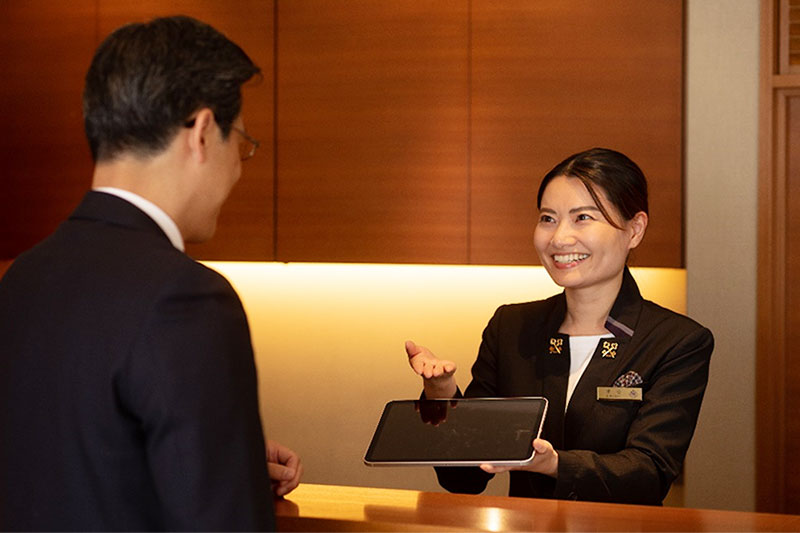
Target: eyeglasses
(247, 146)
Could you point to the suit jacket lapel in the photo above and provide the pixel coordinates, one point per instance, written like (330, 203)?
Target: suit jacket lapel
(601, 372)
(608, 361)
(552, 366)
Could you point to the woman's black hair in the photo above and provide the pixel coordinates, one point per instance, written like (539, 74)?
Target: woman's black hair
(621, 180)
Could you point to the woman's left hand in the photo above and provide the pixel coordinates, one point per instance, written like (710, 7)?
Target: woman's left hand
(545, 461)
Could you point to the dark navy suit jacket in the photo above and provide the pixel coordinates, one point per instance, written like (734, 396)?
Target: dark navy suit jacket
(128, 392)
(625, 451)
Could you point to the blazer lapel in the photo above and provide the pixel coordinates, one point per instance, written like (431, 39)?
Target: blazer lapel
(552, 366)
(601, 372)
(611, 358)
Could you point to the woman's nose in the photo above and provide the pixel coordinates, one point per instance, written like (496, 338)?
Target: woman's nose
(563, 235)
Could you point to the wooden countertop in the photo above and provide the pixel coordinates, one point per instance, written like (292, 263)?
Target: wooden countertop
(336, 508)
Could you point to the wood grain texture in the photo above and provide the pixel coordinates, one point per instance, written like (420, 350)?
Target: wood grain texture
(46, 162)
(777, 369)
(372, 131)
(47, 48)
(336, 508)
(406, 131)
(789, 377)
(554, 78)
(770, 346)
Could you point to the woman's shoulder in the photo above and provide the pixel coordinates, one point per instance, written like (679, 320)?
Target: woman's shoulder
(533, 306)
(532, 313)
(655, 316)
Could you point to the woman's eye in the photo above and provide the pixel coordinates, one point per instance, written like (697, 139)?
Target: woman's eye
(584, 216)
(546, 219)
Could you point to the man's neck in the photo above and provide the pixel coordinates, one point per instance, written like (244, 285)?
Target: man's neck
(155, 180)
(158, 215)
(151, 178)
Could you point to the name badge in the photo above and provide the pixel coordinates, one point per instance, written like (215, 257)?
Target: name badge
(619, 393)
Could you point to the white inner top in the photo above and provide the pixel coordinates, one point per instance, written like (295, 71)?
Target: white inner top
(581, 348)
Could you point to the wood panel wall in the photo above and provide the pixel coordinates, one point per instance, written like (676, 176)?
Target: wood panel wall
(550, 79)
(778, 335)
(373, 131)
(46, 166)
(47, 47)
(391, 131)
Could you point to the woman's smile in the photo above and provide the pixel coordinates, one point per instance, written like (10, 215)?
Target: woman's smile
(568, 260)
(578, 246)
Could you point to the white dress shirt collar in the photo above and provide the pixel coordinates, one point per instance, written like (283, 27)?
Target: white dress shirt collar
(158, 215)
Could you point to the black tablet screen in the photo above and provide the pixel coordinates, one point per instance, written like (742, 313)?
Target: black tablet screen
(458, 431)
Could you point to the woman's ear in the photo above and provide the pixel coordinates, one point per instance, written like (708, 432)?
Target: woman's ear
(637, 226)
(199, 134)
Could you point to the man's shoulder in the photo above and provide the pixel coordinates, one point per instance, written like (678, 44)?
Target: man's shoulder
(96, 259)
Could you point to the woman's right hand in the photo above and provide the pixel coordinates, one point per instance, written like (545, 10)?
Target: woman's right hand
(437, 374)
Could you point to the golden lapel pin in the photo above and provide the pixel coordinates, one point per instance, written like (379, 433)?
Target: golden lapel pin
(609, 349)
(555, 345)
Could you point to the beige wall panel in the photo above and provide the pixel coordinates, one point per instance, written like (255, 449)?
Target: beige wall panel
(721, 218)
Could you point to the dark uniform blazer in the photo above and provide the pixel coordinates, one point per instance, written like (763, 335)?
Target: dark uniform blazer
(609, 450)
(128, 392)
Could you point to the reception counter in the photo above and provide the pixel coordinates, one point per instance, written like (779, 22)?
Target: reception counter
(336, 508)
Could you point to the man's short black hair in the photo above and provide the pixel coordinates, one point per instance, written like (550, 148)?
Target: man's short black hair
(147, 79)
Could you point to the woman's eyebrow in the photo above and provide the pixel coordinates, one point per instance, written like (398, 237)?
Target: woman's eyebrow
(584, 208)
(573, 210)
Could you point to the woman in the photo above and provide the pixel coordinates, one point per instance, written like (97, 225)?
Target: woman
(584, 347)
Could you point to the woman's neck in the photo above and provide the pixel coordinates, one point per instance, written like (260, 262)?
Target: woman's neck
(588, 308)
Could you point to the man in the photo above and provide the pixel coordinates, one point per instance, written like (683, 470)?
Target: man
(128, 392)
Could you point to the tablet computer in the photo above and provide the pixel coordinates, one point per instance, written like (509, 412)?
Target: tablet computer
(457, 432)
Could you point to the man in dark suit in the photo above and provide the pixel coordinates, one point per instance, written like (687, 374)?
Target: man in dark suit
(128, 391)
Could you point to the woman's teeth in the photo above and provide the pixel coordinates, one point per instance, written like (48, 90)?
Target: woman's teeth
(569, 258)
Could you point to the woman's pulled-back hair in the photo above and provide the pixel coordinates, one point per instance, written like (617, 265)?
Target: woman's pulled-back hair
(621, 180)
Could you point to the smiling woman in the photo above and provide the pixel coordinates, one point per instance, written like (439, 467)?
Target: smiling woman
(592, 213)
(624, 377)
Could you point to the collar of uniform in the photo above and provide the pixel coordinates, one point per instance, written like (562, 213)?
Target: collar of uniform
(624, 313)
(621, 321)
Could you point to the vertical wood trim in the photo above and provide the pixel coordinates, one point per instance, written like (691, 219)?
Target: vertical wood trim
(768, 333)
(771, 357)
(778, 318)
(468, 214)
(783, 37)
(275, 117)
